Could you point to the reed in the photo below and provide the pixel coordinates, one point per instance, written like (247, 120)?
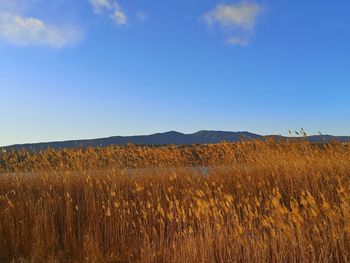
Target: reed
(261, 201)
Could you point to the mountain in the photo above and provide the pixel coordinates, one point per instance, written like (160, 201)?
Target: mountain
(166, 138)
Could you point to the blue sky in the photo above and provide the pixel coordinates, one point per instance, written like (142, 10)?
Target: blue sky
(94, 68)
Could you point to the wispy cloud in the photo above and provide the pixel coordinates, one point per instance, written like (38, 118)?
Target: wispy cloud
(237, 41)
(119, 17)
(142, 16)
(29, 31)
(237, 20)
(99, 5)
(111, 7)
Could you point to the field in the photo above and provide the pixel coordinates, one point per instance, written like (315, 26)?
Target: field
(258, 201)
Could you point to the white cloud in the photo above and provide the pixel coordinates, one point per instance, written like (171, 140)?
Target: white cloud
(238, 20)
(28, 31)
(243, 14)
(112, 7)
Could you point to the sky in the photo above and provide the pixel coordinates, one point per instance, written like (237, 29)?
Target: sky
(96, 68)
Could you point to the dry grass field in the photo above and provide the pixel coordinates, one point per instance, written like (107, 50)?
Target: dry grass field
(259, 202)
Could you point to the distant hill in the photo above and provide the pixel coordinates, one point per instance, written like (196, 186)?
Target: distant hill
(166, 138)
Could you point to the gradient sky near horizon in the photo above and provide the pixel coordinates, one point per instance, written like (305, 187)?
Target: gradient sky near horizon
(95, 68)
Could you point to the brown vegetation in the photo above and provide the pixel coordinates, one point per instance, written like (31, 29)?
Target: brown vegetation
(260, 202)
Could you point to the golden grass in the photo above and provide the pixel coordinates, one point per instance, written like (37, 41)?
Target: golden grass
(261, 202)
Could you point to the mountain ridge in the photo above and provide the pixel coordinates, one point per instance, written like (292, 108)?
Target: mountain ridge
(165, 138)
